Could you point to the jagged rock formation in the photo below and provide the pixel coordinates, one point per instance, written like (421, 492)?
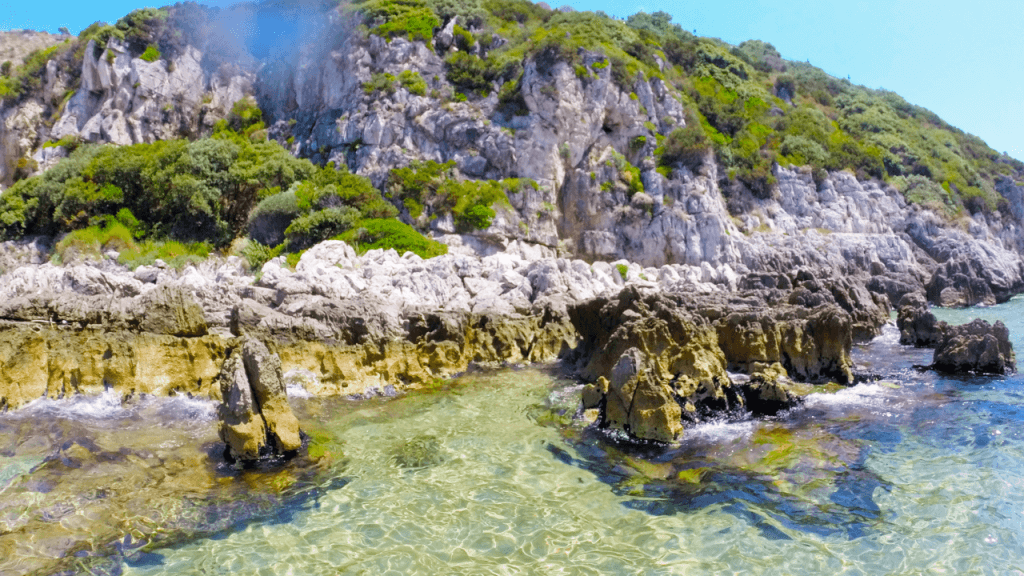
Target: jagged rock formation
(917, 325)
(657, 361)
(977, 347)
(256, 420)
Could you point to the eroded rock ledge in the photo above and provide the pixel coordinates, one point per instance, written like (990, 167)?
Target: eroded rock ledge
(659, 350)
(658, 361)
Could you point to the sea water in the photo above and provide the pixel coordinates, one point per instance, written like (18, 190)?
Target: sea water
(913, 473)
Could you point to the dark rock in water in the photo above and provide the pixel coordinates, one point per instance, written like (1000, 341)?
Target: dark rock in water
(241, 425)
(976, 347)
(654, 361)
(918, 326)
(766, 394)
(256, 419)
(648, 360)
(810, 343)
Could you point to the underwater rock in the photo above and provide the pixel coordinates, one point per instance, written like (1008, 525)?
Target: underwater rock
(256, 420)
(975, 347)
(918, 327)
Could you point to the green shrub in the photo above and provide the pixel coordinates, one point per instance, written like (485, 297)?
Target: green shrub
(386, 234)
(413, 82)
(309, 229)
(92, 241)
(256, 254)
(380, 82)
(244, 115)
(468, 73)
(431, 189)
(463, 38)
(152, 54)
(687, 146)
(390, 18)
(623, 270)
(175, 254)
(272, 216)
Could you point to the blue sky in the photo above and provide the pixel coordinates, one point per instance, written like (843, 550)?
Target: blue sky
(962, 60)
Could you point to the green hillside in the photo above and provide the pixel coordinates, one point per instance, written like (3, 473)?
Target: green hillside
(750, 105)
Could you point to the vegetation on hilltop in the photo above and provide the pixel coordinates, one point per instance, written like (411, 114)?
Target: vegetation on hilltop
(749, 106)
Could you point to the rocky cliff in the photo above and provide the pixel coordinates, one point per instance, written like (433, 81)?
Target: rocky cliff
(605, 171)
(587, 140)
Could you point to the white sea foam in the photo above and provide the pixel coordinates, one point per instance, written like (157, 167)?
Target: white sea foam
(109, 405)
(105, 405)
(873, 396)
(721, 431)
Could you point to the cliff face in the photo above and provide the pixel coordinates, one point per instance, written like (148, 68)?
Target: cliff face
(588, 142)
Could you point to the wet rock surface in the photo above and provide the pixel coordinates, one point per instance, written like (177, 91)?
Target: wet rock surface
(655, 361)
(917, 325)
(256, 419)
(977, 347)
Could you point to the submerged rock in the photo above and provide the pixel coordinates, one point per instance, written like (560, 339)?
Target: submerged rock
(975, 347)
(256, 420)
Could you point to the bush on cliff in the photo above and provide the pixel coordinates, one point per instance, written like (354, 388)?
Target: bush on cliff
(177, 199)
(430, 189)
(390, 18)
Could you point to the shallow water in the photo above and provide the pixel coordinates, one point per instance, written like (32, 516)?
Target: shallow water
(913, 474)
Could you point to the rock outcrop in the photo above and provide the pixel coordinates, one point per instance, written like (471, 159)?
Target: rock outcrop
(649, 362)
(256, 419)
(917, 325)
(977, 347)
(656, 361)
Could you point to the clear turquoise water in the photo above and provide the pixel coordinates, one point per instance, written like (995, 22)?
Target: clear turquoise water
(915, 474)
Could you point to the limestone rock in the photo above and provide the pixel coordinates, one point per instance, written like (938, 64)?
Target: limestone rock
(766, 393)
(242, 426)
(256, 419)
(264, 373)
(917, 325)
(975, 347)
(650, 358)
(171, 310)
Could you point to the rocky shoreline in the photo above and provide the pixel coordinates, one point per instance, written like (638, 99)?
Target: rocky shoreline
(659, 347)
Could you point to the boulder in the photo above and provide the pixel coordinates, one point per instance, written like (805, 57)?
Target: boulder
(256, 419)
(264, 372)
(977, 347)
(242, 426)
(918, 326)
(958, 283)
(650, 362)
(767, 393)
